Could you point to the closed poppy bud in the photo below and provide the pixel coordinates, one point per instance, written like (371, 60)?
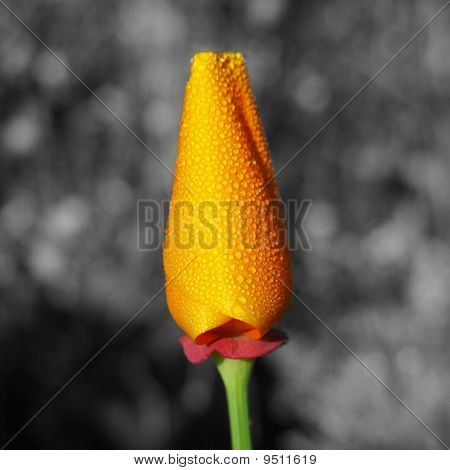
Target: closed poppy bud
(225, 222)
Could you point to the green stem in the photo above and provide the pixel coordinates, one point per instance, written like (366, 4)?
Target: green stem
(235, 374)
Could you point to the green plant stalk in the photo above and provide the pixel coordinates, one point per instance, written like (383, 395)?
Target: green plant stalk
(235, 375)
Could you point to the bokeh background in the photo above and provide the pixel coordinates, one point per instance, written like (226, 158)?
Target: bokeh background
(70, 176)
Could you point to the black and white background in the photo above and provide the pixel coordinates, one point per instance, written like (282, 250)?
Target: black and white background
(79, 146)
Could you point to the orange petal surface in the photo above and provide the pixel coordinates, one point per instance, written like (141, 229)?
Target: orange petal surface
(224, 215)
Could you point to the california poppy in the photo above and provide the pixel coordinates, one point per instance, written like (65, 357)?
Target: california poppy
(224, 211)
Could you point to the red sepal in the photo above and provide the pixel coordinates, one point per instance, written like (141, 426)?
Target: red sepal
(239, 347)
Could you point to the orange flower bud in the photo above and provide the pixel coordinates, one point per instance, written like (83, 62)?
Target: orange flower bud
(224, 211)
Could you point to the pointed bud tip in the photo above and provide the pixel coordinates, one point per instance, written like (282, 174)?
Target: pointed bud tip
(227, 58)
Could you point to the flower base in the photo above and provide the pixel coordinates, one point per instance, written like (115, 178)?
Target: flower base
(240, 347)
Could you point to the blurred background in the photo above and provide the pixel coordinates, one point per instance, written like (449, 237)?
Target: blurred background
(70, 176)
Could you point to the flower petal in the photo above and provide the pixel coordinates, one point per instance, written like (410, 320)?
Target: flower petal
(225, 212)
